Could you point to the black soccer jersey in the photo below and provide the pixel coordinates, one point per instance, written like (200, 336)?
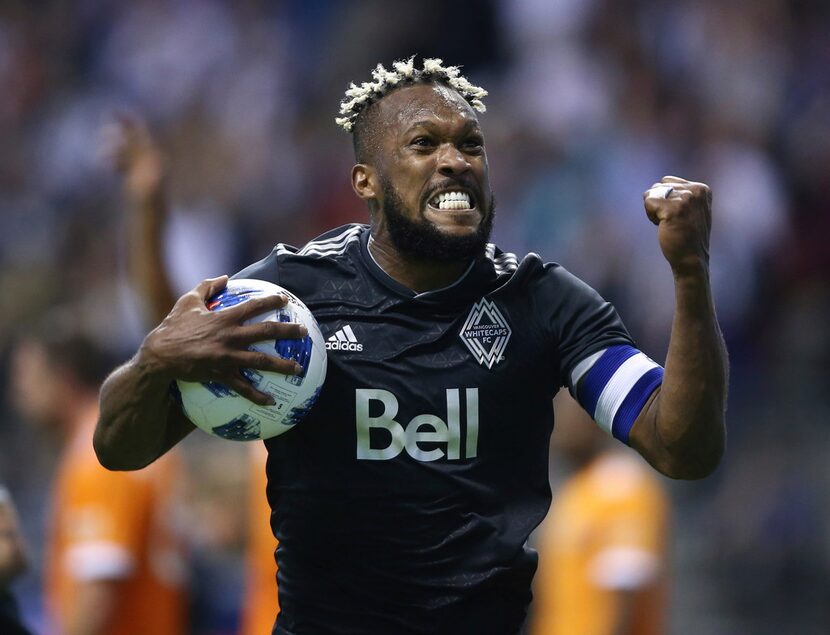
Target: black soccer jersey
(404, 501)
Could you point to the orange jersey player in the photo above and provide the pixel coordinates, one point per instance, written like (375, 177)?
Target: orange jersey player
(114, 565)
(601, 549)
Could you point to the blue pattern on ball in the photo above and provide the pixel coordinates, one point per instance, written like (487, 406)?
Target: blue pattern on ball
(296, 350)
(218, 390)
(298, 413)
(243, 428)
(226, 299)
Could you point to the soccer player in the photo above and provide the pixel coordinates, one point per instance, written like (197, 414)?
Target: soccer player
(602, 568)
(114, 562)
(404, 501)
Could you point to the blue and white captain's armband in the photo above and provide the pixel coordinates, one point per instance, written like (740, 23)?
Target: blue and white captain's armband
(613, 385)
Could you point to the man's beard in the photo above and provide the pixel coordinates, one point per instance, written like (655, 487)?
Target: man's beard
(421, 239)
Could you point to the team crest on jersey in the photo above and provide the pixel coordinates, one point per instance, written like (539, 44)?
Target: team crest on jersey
(486, 333)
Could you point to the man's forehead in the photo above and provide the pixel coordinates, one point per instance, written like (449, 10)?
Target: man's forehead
(424, 102)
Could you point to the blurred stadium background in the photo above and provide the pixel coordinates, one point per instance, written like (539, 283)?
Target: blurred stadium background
(590, 102)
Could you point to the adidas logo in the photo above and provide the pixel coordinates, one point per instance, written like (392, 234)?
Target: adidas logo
(343, 340)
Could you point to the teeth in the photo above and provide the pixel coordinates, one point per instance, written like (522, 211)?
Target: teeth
(451, 200)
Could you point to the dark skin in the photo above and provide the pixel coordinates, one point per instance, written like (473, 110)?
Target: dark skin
(139, 420)
(431, 141)
(681, 430)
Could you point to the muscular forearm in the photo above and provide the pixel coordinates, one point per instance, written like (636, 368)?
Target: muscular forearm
(139, 420)
(681, 431)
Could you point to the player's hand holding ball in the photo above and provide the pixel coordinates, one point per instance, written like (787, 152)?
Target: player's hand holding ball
(219, 352)
(682, 211)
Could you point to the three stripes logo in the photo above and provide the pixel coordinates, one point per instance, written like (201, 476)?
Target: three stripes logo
(343, 340)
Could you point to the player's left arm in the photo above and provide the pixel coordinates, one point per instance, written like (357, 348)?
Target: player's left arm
(680, 431)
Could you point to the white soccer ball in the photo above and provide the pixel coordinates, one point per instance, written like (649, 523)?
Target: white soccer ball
(217, 409)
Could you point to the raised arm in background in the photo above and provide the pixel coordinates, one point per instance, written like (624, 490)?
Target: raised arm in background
(133, 152)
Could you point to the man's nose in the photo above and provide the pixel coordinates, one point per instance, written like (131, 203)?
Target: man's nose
(451, 160)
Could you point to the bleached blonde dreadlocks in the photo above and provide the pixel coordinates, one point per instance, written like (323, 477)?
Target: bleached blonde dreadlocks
(359, 98)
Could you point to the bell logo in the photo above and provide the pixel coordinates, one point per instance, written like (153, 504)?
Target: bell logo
(422, 429)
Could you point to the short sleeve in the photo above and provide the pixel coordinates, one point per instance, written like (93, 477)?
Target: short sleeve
(630, 531)
(579, 320)
(598, 361)
(266, 269)
(105, 519)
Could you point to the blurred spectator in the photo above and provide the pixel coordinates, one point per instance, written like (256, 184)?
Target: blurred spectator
(12, 564)
(115, 565)
(602, 548)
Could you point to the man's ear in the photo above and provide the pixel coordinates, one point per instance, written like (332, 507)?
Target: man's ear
(364, 181)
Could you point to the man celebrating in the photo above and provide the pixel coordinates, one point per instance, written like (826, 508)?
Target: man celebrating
(404, 501)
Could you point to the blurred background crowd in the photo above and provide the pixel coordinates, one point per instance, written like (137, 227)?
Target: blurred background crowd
(591, 101)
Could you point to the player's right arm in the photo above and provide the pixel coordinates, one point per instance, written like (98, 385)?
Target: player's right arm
(139, 418)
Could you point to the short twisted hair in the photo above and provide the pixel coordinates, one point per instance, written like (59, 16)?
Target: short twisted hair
(358, 100)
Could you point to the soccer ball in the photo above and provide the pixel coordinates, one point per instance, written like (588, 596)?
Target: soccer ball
(217, 409)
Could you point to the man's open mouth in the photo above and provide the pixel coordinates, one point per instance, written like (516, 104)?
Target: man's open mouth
(452, 200)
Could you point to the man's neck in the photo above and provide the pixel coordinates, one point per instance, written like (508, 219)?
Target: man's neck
(418, 274)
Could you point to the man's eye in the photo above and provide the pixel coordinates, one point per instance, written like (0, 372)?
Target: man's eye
(423, 142)
(473, 143)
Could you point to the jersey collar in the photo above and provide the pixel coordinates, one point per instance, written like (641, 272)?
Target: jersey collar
(470, 283)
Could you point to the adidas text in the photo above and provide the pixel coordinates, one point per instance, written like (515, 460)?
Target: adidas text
(343, 339)
(443, 437)
(344, 346)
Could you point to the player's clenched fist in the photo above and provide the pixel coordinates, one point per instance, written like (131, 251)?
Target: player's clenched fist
(195, 344)
(682, 211)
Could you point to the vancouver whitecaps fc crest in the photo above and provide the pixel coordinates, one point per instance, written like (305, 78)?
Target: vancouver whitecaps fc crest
(486, 333)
